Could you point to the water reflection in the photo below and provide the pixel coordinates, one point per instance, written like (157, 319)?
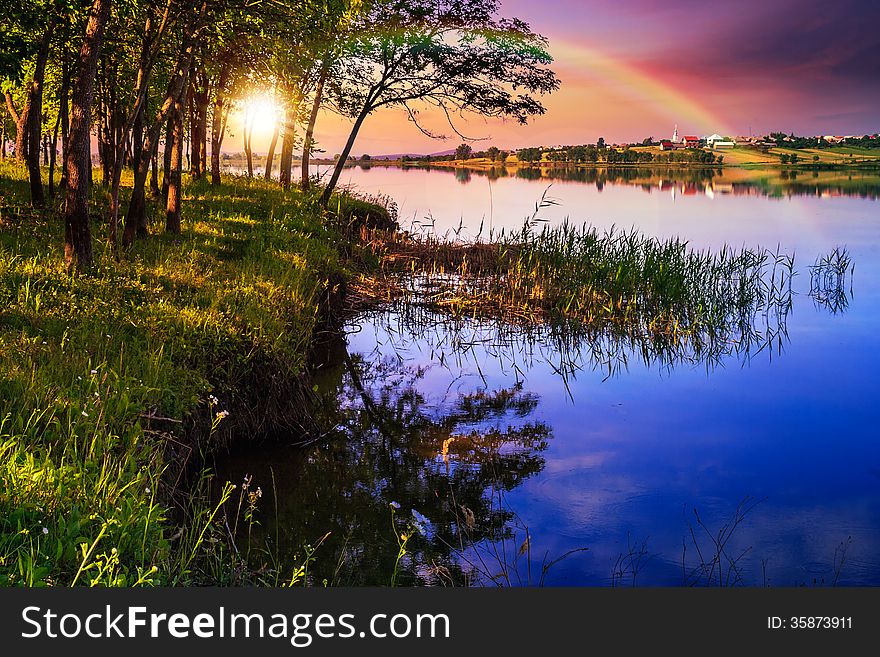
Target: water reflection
(399, 463)
(704, 181)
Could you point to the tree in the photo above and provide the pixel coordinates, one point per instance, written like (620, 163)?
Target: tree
(529, 155)
(457, 57)
(601, 143)
(135, 218)
(77, 232)
(463, 152)
(492, 153)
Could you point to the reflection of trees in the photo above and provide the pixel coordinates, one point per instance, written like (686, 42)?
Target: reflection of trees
(774, 184)
(392, 444)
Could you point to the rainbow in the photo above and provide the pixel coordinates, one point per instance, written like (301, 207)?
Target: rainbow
(665, 99)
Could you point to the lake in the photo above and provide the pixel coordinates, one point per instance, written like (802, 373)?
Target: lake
(525, 457)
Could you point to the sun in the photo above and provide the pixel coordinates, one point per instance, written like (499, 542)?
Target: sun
(261, 114)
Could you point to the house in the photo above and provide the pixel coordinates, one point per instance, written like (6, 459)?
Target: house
(691, 141)
(722, 143)
(713, 138)
(666, 145)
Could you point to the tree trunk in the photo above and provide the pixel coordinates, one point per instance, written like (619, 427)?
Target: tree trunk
(343, 157)
(65, 120)
(248, 131)
(154, 177)
(199, 124)
(271, 154)
(218, 124)
(52, 154)
(286, 165)
(166, 158)
(308, 141)
(172, 215)
(77, 231)
(135, 219)
(21, 125)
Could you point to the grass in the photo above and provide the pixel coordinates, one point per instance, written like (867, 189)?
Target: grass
(111, 383)
(578, 276)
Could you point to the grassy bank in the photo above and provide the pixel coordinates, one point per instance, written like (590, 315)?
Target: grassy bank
(111, 383)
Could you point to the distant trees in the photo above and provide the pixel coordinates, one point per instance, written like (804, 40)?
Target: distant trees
(529, 155)
(492, 153)
(463, 152)
(600, 144)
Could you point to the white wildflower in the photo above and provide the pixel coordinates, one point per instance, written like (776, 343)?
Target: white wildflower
(94, 371)
(45, 530)
(84, 414)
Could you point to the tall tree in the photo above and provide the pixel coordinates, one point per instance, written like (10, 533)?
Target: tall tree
(35, 119)
(455, 56)
(172, 208)
(77, 231)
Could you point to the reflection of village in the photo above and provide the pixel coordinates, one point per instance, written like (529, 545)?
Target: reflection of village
(686, 182)
(782, 188)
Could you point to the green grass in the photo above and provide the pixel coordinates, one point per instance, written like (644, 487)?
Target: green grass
(660, 298)
(106, 379)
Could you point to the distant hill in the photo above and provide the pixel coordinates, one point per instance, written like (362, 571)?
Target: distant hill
(397, 156)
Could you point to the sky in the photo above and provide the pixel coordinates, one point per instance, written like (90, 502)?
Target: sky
(632, 69)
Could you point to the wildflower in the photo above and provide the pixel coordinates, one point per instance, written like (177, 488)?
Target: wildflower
(394, 505)
(94, 371)
(148, 490)
(222, 414)
(44, 342)
(45, 530)
(213, 399)
(84, 414)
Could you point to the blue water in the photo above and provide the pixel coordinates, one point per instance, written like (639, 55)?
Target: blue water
(631, 456)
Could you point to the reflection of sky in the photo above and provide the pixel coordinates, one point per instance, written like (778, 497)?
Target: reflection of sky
(633, 455)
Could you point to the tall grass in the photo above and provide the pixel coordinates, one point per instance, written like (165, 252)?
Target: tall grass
(610, 293)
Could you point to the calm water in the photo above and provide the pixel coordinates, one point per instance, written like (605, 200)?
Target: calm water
(473, 428)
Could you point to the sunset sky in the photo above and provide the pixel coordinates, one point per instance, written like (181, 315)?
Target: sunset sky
(634, 68)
